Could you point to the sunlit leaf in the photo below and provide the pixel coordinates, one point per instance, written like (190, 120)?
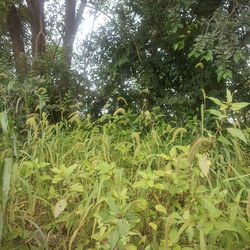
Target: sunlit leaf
(153, 225)
(199, 65)
(78, 187)
(204, 164)
(99, 236)
(202, 241)
(141, 204)
(2, 75)
(239, 105)
(131, 247)
(56, 179)
(229, 96)
(159, 186)
(161, 208)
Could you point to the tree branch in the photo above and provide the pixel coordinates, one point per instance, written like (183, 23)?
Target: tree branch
(79, 14)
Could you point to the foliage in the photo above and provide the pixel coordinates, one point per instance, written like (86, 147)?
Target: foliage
(141, 160)
(172, 50)
(152, 53)
(127, 181)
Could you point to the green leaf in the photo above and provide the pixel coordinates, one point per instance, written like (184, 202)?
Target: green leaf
(59, 207)
(113, 239)
(224, 140)
(161, 208)
(43, 164)
(237, 133)
(8, 163)
(153, 225)
(159, 186)
(70, 170)
(202, 241)
(215, 100)
(239, 105)
(220, 75)
(78, 187)
(56, 179)
(186, 215)
(176, 46)
(227, 74)
(229, 96)
(131, 247)
(209, 56)
(199, 65)
(141, 204)
(224, 226)
(150, 183)
(213, 211)
(217, 113)
(123, 227)
(140, 184)
(4, 122)
(3, 75)
(238, 56)
(201, 189)
(99, 235)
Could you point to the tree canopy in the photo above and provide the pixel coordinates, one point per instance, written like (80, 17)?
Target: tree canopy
(151, 53)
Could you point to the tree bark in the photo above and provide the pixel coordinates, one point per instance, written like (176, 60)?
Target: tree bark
(72, 22)
(36, 8)
(16, 36)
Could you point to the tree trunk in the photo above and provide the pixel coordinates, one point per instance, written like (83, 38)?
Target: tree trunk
(36, 8)
(72, 22)
(16, 36)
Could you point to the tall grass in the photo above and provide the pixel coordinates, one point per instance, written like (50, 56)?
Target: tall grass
(126, 181)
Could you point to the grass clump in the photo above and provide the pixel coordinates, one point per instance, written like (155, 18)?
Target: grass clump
(125, 181)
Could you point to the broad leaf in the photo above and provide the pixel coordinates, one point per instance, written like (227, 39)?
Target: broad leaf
(237, 133)
(113, 239)
(215, 100)
(239, 105)
(217, 113)
(204, 164)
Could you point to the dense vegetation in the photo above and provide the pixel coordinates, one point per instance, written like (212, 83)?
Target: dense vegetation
(127, 181)
(136, 138)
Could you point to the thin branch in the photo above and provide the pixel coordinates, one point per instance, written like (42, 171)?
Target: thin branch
(100, 11)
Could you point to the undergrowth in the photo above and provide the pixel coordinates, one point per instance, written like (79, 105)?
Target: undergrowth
(126, 181)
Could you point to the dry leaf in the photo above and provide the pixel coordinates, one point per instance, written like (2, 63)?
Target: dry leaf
(59, 207)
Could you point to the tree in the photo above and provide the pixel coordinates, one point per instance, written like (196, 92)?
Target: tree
(153, 53)
(165, 52)
(35, 52)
